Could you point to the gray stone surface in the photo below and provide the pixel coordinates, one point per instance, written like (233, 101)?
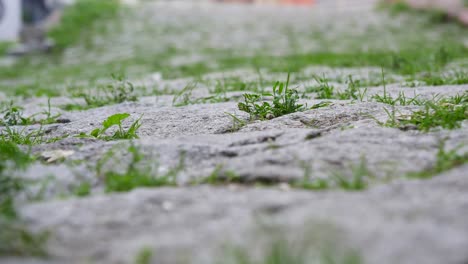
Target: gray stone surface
(395, 220)
(402, 222)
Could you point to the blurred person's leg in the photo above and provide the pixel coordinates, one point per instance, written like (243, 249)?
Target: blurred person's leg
(33, 33)
(34, 11)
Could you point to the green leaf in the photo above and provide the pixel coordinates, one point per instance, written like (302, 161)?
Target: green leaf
(95, 132)
(280, 90)
(114, 120)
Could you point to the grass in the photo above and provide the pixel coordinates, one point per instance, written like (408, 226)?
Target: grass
(232, 84)
(115, 121)
(446, 113)
(237, 123)
(454, 77)
(326, 91)
(432, 56)
(79, 18)
(433, 16)
(144, 256)
(353, 91)
(219, 176)
(15, 239)
(121, 90)
(275, 246)
(184, 97)
(280, 252)
(308, 183)
(11, 158)
(4, 46)
(357, 181)
(414, 55)
(429, 57)
(83, 189)
(284, 102)
(401, 99)
(355, 178)
(445, 160)
(136, 174)
(23, 137)
(13, 116)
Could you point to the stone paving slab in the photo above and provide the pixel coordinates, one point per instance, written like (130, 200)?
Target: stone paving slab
(396, 219)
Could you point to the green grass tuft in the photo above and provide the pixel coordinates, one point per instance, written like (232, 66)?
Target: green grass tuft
(445, 160)
(120, 133)
(24, 137)
(13, 116)
(274, 246)
(284, 102)
(121, 90)
(144, 256)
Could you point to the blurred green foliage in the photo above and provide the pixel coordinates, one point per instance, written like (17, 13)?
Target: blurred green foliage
(79, 18)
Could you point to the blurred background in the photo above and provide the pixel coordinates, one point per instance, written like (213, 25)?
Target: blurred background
(49, 45)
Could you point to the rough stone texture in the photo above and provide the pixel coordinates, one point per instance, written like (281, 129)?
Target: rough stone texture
(402, 222)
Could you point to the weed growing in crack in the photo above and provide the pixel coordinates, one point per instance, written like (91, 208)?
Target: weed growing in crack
(144, 256)
(358, 180)
(324, 90)
(454, 78)
(237, 123)
(234, 84)
(13, 116)
(284, 102)
(316, 243)
(184, 97)
(220, 176)
(83, 189)
(49, 118)
(352, 92)
(445, 160)
(120, 133)
(386, 98)
(401, 99)
(447, 113)
(15, 239)
(136, 174)
(121, 90)
(392, 120)
(307, 182)
(22, 137)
